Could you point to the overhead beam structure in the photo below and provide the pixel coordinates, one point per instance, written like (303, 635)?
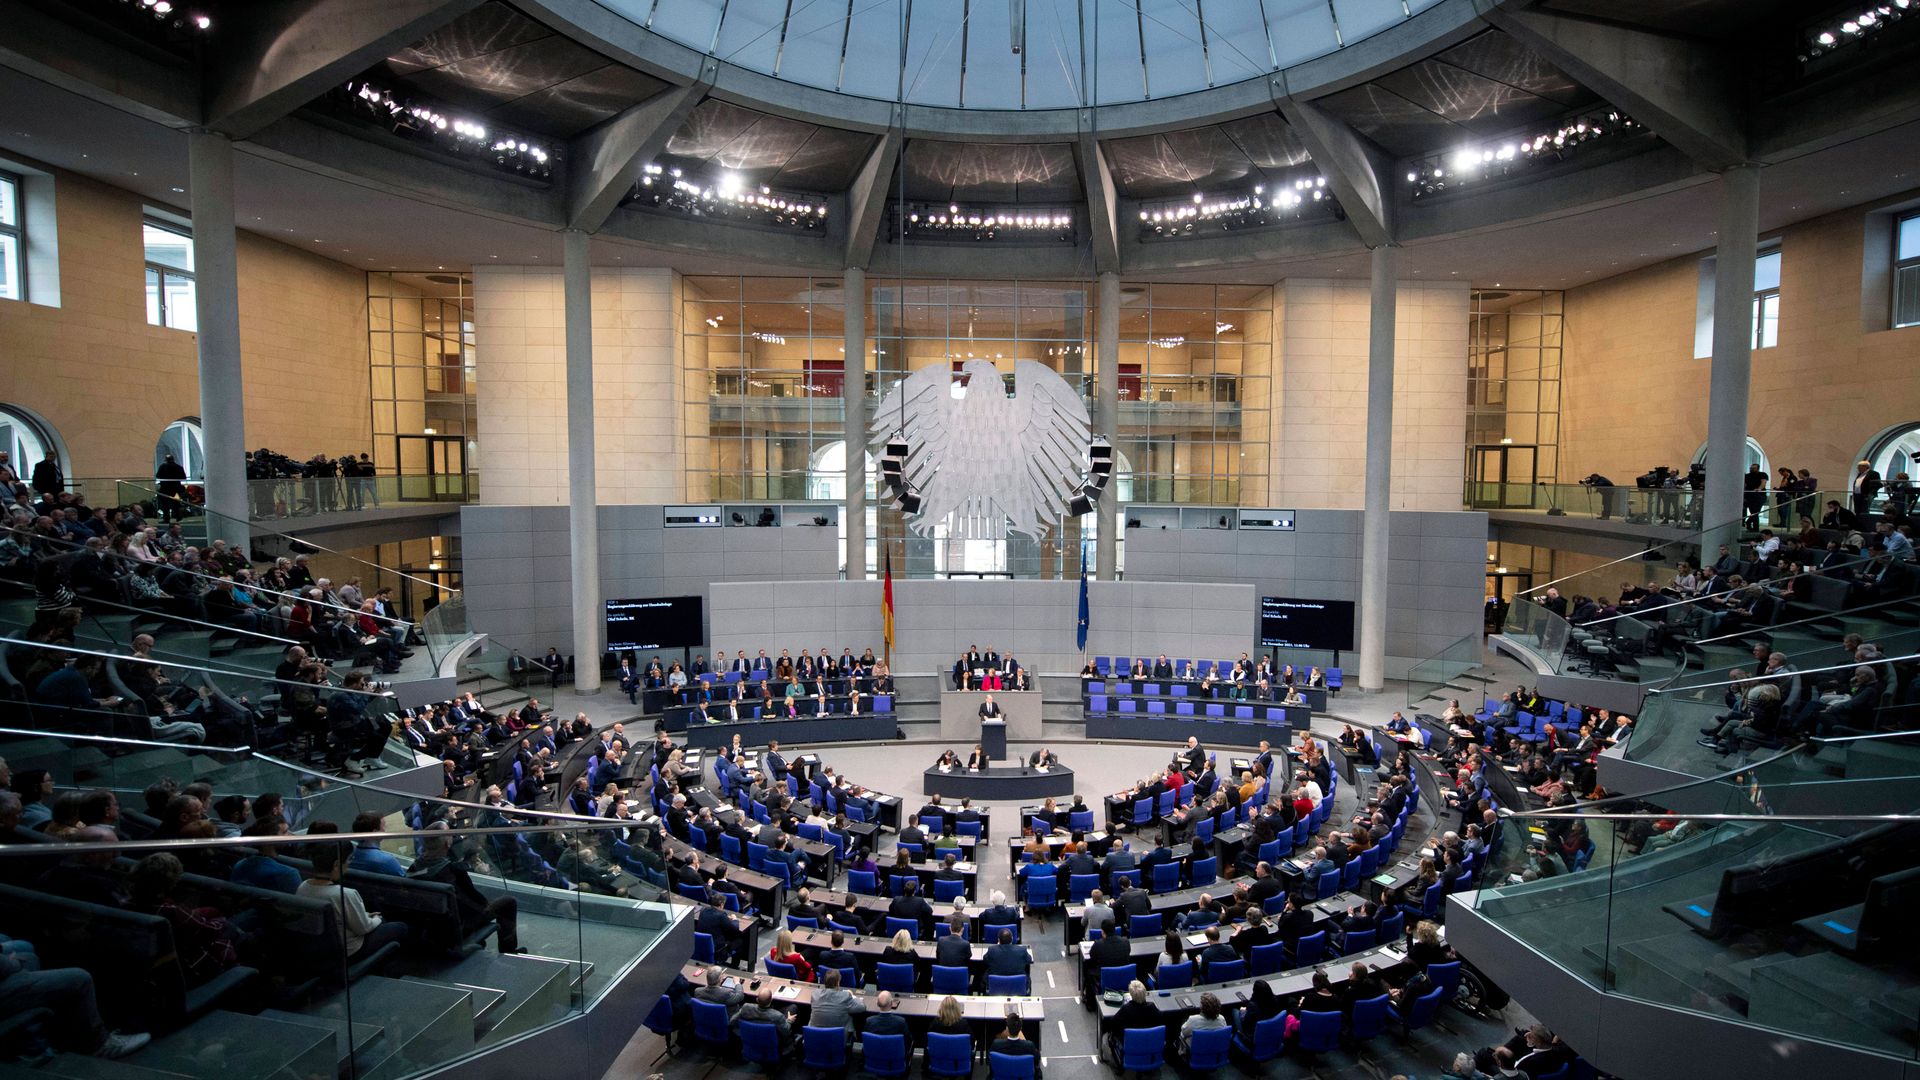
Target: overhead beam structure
(1358, 171)
(1103, 201)
(278, 55)
(1684, 91)
(867, 200)
(602, 164)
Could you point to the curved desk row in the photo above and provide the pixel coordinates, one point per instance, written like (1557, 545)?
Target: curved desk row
(1000, 783)
(863, 727)
(1252, 724)
(1228, 693)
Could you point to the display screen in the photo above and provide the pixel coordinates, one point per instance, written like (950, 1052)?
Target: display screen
(1288, 622)
(666, 622)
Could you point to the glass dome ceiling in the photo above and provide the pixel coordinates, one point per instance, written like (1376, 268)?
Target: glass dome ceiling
(1016, 54)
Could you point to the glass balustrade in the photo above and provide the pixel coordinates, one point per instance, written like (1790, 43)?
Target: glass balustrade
(1792, 924)
(295, 984)
(294, 497)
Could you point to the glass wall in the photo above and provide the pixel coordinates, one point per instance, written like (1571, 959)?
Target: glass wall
(420, 335)
(764, 360)
(1513, 395)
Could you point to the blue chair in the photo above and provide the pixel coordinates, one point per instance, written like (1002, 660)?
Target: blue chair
(1269, 1038)
(1156, 707)
(1271, 851)
(1207, 1050)
(1203, 872)
(895, 924)
(895, 977)
(897, 883)
(1142, 813)
(703, 947)
(782, 971)
(1166, 877)
(1393, 926)
(915, 852)
(1149, 925)
(849, 977)
(1117, 977)
(1370, 860)
(760, 1043)
(970, 828)
(1329, 884)
(710, 1024)
(697, 836)
(1080, 820)
(1182, 708)
(695, 893)
(1310, 949)
(1267, 959)
(1561, 1073)
(1319, 1032)
(884, 1055)
(1369, 1018)
(1080, 886)
(845, 928)
(730, 849)
(1173, 976)
(660, 1019)
(948, 1055)
(795, 922)
(1008, 985)
(1275, 904)
(1350, 876)
(1141, 1049)
(1225, 971)
(1096, 703)
(863, 882)
(1302, 831)
(826, 1048)
(941, 929)
(950, 980)
(992, 933)
(1164, 804)
(810, 831)
(1043, 892)
(1358, 941)
(1447, 978)
(756, 857)
(1039, 825)
(1010, 1066)
(1177, 690)
(946, 892)
(1420, 1013)
(1433, 901)
(1129, 705)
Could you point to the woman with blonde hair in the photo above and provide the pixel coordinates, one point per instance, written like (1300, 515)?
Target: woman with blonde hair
(783, 952)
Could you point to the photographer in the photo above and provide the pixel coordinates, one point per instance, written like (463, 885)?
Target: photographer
(1611, 500)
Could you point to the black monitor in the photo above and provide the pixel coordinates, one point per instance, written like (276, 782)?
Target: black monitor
(1288, 622)
(665, 622)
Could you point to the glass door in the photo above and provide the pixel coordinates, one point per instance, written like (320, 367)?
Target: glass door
(432, 467)
(1502, 477)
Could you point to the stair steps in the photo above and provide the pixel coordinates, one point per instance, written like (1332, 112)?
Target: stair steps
(364, 1033)
(236, 1046)
(426, 1025)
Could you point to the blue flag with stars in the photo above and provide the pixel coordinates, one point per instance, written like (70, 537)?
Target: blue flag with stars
(1082, 635)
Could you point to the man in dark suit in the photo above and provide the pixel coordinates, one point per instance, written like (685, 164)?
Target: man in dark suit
(1043, 758)
(1006, 958)
(991, 660)
(1865, 485)
(1120, 864)
(953, 950)
(1133, 900)
(883, 1019)
(1112, 950)
(772, 763)
(966, 812)
(911, 905)
(1161, 853)
(838, 956)
(1082, 860)
(713, 921)
(1294, 923)
(1264, 759)
(1254, 934)
(1264, 884)
(999, 913)
(989, 709)
(1162, 668)
(1214, 952)
(1014, 1041)
(1192, 759)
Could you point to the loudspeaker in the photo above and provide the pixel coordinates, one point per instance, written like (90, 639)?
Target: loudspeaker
(1081, 504)
(1100, 458)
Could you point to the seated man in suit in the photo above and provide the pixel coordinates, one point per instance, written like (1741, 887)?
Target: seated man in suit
(1112, 950)
(1014, 1041)
(1215, 952)
(1295, 921)
(885, 1020)
(715, 923)
(1006, 958)
(1043, 758)
(1120, 865)
(1161, 853)
(999, 912)
(714, 988)
(911, 905)
(1138, 670)
(761, 1010)
(1133, 900)
(1162, 668)
(1265, 885)
(952, 949)
(1192, 759)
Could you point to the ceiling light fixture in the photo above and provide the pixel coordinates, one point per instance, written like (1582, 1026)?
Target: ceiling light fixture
(1450, 170)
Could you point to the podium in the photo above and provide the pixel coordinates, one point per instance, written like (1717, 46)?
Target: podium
(993, 739)
(960, 715)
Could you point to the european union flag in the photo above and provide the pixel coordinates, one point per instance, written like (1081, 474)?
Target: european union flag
(1082, 636)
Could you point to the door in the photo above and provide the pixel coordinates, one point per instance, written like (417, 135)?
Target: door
(1502, 477)
(432, 468)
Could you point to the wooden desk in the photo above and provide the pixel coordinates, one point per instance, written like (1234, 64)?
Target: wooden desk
(767, 891)
(1175, 1005)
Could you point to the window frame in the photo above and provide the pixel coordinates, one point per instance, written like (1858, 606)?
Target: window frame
(1760, 299)
(18, 231)
(1899, 264)
(164, 272)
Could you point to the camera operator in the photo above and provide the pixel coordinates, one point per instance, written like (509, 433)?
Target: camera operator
(1612, 500)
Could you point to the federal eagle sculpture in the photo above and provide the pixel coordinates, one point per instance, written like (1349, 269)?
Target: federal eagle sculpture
(985, 462)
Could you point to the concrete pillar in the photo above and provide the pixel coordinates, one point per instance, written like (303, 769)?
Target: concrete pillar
(1374, 521)
(853, 402)
(1732, 355)
(583, 499)
(1106, 417)
(216, 302)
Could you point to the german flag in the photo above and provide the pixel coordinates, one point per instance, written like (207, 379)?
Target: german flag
(886, 611)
